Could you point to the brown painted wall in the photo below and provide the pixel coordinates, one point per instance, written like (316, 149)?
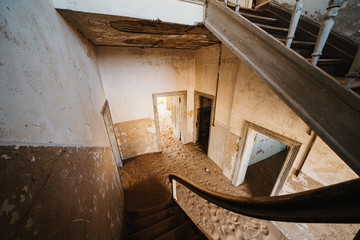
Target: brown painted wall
(136, 137)
(59, 193)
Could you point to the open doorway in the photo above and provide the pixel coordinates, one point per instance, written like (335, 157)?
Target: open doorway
(203, 105)
(170, 116)
(265, 162)
(265, 159)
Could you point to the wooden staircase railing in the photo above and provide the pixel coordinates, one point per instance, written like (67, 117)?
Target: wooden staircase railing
(327, 107)
(337, 203)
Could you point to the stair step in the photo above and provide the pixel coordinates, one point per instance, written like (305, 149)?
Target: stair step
(149, 220)
(328, 62)
(344, 81)
(159, 228)
(133, 215)
(273, 30)
(257, 18)
(184, 231)
(329, 65)
(295, 43)
(200, 236)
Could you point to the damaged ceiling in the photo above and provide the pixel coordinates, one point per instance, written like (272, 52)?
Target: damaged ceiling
(117, 31)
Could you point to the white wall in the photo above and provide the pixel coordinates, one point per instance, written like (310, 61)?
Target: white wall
(131, 76)
(264, 147)
(173, 11)
(50, 86)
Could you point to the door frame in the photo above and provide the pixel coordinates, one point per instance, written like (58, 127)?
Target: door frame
(212, 97)
(246, 146)
(111, 134)
(183, 119)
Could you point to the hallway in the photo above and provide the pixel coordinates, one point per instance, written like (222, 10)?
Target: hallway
(146, 184)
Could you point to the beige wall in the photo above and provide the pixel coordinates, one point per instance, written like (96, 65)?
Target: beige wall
(50, 86)
(51, 94)
(131, 76)
(242, 97)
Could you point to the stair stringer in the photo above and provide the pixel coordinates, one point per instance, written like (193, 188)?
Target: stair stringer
(328, 108)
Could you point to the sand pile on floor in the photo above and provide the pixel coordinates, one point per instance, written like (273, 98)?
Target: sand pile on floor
(145, 181)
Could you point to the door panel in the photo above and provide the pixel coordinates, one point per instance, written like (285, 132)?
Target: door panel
(175, 115)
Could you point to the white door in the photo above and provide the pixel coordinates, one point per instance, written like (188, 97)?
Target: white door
(175, 115)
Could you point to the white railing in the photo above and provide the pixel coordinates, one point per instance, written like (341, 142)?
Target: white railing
(294, 21)
(325, 29)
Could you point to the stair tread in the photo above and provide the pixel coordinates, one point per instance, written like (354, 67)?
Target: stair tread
(159, 228)
(267, 27)
(152, 219)
(251, 16)
(137, 214)
(345, 80)
(184, 231)
(327, 61)
(200, 236)
(299, 43)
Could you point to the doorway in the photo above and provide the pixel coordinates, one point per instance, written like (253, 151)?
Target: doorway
(203, 105)
(172, 106)
(265, 159)
(105, 112)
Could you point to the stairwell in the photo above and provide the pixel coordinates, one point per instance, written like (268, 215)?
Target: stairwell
(315, 93)
(162, 222)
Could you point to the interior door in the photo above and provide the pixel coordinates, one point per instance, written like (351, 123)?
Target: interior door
(175, 115)
(111, 134)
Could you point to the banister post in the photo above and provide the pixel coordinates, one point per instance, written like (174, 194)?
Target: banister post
(294, 21)
(325, 29)
(173, 183)
(237, 8)
(354, 71)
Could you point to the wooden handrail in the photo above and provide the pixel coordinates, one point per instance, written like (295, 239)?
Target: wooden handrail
(337, 203)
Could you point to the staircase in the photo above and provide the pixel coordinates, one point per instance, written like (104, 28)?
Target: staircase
(334, 61)
(162, 222)
(315, 93)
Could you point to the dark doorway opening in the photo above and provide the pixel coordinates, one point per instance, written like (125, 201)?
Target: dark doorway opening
(203, 121)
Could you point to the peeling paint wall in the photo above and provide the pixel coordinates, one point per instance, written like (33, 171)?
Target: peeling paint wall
(59, 193)
(249, 99)
(131, 76)
(51, 95)
(325, 166)
(168, 11)
(300, 231)
(347, 22)
(206, 71)
(50, 86)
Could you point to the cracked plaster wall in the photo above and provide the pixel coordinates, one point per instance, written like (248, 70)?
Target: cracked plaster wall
(130, 77)
(59, 193)
(51, 95)
(50, 86)
(248, 98)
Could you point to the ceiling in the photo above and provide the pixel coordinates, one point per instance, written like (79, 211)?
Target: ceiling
(109, 30)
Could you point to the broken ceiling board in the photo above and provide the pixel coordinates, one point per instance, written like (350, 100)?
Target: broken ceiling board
(109, 30)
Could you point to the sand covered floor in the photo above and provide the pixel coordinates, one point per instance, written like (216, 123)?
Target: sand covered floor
(145, 181)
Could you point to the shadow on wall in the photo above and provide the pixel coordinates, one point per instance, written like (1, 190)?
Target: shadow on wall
(59, 193)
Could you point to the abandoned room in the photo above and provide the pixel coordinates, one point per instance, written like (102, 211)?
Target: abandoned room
(180, 119)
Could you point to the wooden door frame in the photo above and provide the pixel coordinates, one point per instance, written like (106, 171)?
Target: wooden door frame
(212, 97)
(245, 148)
(110, 131)
(183, 129)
